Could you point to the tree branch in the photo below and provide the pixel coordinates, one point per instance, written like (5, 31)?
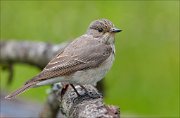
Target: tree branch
(51, 107)
(34, 53)
(88, 105)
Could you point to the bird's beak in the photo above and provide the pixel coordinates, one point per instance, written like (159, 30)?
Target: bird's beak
(115, 30)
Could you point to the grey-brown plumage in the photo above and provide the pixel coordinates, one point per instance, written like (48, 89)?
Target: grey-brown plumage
(86, 60)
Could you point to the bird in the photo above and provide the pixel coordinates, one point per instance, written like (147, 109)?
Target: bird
(85, 60)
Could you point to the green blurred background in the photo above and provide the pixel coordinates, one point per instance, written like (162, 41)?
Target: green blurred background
(144, 79)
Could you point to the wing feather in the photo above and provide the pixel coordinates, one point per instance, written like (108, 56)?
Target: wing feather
(76, 58)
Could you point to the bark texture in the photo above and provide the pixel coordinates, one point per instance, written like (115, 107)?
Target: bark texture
(88, 105)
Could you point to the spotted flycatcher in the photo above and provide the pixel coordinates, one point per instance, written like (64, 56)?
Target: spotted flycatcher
(85, 60)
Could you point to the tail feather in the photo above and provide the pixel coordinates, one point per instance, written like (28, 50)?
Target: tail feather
(20, 90)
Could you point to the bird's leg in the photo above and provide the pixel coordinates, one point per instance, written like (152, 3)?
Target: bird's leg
(63, 91)
(86, 91)
(90, 93)
(75, 90)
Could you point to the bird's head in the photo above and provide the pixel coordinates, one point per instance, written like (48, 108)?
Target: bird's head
(102, 27)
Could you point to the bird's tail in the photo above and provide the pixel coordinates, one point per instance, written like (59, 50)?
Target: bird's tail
(21, 90)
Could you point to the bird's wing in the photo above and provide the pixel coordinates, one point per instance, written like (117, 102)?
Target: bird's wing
(76, 57)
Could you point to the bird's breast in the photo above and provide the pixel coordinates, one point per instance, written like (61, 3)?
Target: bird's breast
(92, 76)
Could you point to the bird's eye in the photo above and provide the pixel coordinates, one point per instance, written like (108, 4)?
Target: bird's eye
(100, 30)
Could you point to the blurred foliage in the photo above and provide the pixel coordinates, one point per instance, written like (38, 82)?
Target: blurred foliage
(144, 79)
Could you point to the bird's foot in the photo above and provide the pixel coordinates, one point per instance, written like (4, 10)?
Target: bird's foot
(91, 93)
